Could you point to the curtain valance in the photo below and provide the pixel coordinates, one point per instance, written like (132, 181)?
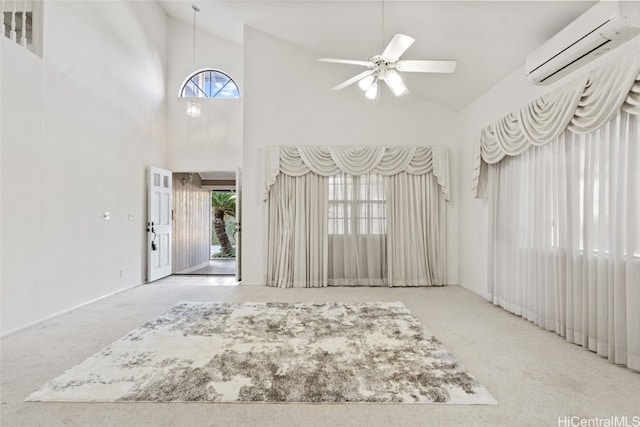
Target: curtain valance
(357, 160)
(581, 106)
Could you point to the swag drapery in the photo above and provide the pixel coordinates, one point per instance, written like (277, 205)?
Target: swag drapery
(564, 209)
(300, 243)
(581, 107)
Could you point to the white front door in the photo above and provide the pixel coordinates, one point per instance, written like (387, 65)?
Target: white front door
(159, 224)
(238, 225)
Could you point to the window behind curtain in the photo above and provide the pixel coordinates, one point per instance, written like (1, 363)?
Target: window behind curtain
(357, 204)
(565, 237)
(357, 230)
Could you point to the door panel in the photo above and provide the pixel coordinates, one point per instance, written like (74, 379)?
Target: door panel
(159, 224)
(238, 225)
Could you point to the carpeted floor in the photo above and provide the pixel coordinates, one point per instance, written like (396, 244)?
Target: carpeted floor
(536, 376)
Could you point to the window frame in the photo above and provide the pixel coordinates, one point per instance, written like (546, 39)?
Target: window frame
(204, 70)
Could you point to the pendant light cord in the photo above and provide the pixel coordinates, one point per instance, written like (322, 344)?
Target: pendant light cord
(195, 10)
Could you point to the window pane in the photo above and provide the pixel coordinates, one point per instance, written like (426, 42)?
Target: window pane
(210, 84)
(356, 204)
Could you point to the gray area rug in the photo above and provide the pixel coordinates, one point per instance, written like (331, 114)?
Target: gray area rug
(272, 352)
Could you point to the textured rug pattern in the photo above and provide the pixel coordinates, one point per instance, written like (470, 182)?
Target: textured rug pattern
(272, 352)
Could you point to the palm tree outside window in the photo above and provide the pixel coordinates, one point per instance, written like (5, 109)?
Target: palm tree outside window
(223, 208)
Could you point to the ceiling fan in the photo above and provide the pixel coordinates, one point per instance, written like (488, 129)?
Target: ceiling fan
(385, 67)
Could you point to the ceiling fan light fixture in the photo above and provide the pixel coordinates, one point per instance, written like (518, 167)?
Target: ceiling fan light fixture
(395, 83)
(366, 83)
(385, 67)
(372, 92)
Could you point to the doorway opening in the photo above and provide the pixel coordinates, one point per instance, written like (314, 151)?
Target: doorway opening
(206, 224)
(223, 231)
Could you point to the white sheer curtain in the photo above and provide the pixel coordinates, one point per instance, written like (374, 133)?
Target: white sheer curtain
(297, 232)
(357, 230)
(416, 242)
(565, 237)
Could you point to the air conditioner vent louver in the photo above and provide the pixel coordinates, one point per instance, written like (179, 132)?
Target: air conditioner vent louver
(569, 64)
(601, 29)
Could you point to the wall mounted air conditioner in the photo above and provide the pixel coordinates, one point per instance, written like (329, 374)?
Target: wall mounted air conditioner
(601, 29)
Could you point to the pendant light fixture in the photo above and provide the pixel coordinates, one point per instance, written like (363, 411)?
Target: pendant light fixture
(193, 107)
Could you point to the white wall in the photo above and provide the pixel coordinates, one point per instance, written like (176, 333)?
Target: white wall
(212, 142)
(288, 102)
(508, 96)
(79, 128)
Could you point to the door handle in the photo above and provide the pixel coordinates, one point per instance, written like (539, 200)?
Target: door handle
(152, 229)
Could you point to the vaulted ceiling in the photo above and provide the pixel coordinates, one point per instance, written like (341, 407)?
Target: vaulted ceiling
(490, 40)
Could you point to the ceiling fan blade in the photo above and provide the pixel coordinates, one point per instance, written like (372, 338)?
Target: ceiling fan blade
(353, 79)
(395, 83)
(397, 46)
(347, 61)
(427, 66)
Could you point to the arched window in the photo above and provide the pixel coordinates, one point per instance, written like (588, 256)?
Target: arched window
(209, 84)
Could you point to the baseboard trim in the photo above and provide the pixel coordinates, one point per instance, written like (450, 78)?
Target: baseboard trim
(44, 319)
